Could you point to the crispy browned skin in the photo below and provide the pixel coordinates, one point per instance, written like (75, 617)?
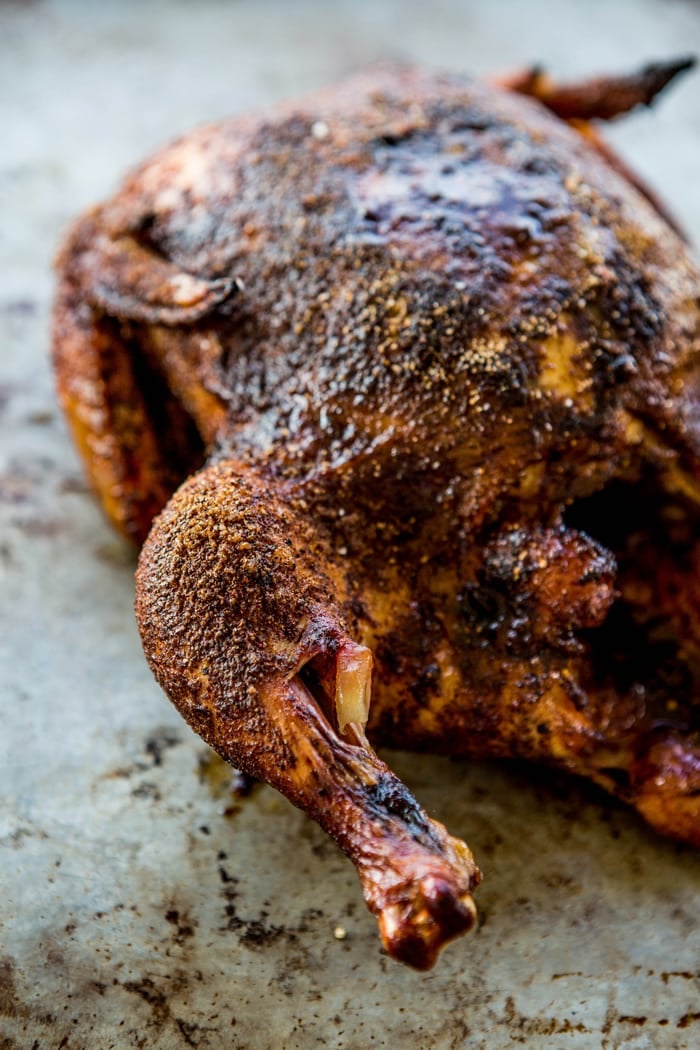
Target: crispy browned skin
(438, 363)
(603, 98)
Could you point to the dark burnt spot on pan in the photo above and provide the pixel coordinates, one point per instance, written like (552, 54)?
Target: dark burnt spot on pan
(159, 742)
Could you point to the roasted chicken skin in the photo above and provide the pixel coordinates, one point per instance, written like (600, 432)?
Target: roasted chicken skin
(399, 388)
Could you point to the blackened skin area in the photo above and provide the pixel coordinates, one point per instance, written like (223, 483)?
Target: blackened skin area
(398, 386)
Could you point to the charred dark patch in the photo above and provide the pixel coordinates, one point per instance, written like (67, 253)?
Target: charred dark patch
(650, 534)
(147, 790)
(159, 742)
(685, 975)
(687, 1020)
(254, 933)
(533, 1026)
(484, 607)
(184, 925)
(16, 838)
(388, 795)
(10, 1005)
(147, 990)
(407, 650)
(180, 444)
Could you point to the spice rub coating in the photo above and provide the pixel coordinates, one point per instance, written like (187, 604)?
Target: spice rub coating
(432, 361)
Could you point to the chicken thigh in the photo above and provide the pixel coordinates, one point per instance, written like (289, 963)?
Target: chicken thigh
(399, 388)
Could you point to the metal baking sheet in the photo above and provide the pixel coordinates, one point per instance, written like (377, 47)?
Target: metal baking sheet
(142, 904)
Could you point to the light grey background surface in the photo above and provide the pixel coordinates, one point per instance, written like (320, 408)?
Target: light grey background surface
(141, 906)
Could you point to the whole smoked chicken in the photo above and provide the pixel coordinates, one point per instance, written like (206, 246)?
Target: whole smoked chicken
(399, 388)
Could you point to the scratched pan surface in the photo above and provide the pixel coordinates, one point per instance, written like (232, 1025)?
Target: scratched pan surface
(142, 905)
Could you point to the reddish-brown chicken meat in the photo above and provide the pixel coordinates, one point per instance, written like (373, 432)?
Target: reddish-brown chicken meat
(429, 357)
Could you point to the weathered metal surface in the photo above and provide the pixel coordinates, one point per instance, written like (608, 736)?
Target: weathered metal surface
(142, 905)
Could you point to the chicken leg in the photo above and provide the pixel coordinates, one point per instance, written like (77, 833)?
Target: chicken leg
(240, 611)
